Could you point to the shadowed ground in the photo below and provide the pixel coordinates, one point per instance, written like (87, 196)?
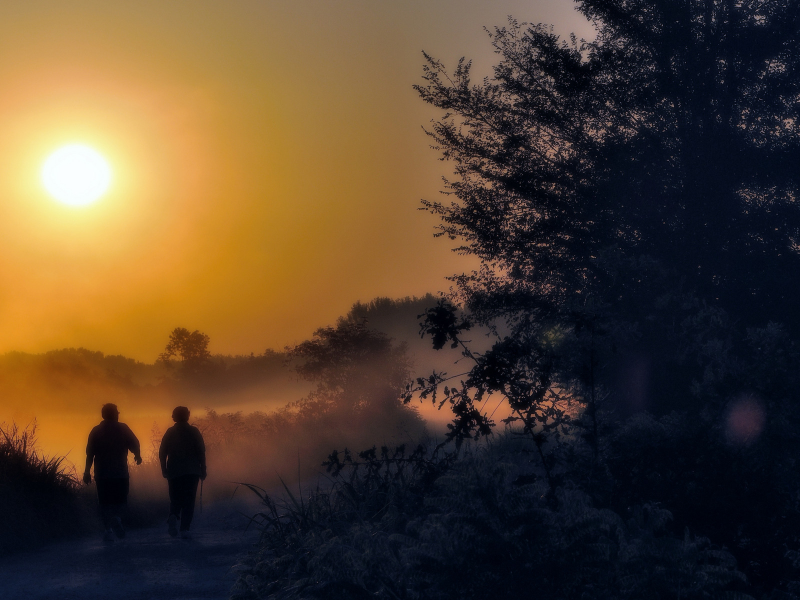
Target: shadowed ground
(147, 564)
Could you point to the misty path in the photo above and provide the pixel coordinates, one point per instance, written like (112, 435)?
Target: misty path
(147, 564)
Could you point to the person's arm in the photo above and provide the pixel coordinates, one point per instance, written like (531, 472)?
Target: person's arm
(133, 446)
(162, 454)
(201, 450)
(87, 476)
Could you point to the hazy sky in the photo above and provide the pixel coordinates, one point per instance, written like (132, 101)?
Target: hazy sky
(268, 164)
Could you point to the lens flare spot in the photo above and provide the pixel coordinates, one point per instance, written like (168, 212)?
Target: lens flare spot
(745, 421)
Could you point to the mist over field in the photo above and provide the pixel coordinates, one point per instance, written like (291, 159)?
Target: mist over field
(241, 403)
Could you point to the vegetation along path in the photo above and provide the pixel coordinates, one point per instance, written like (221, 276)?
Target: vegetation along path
(146, 565)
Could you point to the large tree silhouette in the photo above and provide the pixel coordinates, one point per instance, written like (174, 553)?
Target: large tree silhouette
(672, 136)
(634, 204)
(633, 201)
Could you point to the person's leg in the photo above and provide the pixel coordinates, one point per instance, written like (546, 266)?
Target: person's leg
(174, 507)
(117, 499)
(174, 497)
(178, 496)
(104, 495)
(105, 515)
(188, 494)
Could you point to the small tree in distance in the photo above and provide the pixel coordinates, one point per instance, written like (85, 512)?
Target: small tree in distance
(190, 347)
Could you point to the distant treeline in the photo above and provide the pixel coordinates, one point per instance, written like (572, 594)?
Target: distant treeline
(78, 377)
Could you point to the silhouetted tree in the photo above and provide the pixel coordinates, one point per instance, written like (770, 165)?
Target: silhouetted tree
(622, 194)
(191, 347)
(633, 202)
(355, 368)
(672, 136)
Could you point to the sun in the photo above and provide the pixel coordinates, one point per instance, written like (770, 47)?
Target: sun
(76, 175)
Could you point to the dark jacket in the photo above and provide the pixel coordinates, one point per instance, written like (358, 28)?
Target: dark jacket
(108, 446)
(182, 451)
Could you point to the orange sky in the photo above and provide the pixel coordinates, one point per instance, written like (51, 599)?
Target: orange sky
(268, 164)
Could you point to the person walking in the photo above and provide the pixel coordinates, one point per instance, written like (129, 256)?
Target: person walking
(107, 447)
(183, 464)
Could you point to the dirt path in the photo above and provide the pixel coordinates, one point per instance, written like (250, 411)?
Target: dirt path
(146, 565)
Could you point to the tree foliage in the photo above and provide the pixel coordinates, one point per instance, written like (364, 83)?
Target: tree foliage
(353, 366)
(671, 136)
(633, 203)
(191, 347)
(359, 376)
(621, 194)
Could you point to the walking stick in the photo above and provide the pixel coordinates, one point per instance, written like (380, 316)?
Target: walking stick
(201, 496)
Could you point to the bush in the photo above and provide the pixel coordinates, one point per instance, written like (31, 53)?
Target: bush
(422, 526)
(739, 496)
(41, 493)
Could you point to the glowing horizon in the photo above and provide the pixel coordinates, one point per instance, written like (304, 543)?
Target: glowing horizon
(262, 183)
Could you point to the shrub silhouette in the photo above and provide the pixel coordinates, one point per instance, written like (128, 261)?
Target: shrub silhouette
(392, 525)
(39, 495)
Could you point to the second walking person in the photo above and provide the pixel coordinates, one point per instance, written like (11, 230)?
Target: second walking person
(183, 464)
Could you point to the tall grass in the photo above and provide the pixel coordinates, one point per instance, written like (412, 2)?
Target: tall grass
(40, 496)
(20, 461)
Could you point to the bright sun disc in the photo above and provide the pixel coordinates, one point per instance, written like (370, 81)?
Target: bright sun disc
(76, 175)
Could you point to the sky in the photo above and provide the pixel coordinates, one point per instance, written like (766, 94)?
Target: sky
(268, 164)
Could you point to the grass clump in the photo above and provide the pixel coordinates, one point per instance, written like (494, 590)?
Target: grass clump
(40, 496)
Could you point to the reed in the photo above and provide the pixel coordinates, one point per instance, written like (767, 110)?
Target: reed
(40, 497)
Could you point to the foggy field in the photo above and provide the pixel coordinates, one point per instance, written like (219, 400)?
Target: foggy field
(63, 390)
(276, 423)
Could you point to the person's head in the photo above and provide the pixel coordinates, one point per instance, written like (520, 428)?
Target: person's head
(180, 414)
(110, 412)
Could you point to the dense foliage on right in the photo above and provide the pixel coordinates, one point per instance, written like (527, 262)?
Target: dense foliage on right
(634, 204)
